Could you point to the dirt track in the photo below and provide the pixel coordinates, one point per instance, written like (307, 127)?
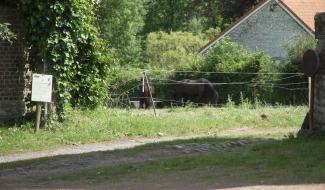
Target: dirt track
(32, 175)
(44, 174)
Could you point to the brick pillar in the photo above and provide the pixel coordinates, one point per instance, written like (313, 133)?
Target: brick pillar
(319, 114)
(12, 80)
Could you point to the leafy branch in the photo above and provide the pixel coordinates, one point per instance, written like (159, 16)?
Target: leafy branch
(5, 33)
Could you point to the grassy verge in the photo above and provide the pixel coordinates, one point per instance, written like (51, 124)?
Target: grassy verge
(290, 161)
(113, 124)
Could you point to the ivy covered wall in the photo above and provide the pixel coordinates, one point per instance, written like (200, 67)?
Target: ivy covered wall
(62, 36)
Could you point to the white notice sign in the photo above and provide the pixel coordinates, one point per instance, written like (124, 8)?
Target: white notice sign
(42, 88)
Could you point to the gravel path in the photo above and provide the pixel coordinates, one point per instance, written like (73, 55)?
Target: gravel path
(32, 175)
(87, 148)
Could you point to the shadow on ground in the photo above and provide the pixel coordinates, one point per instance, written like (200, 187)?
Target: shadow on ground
(205, 163)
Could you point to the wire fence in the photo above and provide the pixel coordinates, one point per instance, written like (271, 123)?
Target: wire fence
(123, 97)
(211, 72)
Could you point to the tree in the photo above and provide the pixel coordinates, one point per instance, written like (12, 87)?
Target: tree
(178, 15)
(236, 8)
(176, 50)
(120, 23)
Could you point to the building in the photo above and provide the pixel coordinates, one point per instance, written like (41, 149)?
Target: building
(12, 67)
(271, 24)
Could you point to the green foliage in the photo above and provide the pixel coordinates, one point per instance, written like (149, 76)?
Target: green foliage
(211, 33)
(193, 16)
(120, 23)
(165, 15)
(236, 8)
(62, 35)
(102, 124)
(231, 59)
(5, 33)
(175, 50)
(183, 15)
(295, 49)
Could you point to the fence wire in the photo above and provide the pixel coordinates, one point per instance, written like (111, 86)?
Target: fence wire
(123, 98)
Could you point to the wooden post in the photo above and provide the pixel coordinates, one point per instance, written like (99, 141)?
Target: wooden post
(46, 105)
(311, 102)
(153, 103)
(38, 117)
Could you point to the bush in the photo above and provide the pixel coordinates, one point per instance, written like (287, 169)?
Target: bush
(176, 50)
(295, 49)
(231, 59)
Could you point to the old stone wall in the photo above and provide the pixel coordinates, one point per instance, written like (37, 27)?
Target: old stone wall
(320, 76)
(267, 30)
(12, 81)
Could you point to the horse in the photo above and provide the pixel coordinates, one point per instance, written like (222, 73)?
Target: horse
(201, 89)
(144, 95)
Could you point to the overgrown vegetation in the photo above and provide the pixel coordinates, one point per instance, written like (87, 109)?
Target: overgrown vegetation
(62, 35)
(238, 69)
(120, 23)
(176, 50)
(295, 50)
(94, 48)
(89, 126)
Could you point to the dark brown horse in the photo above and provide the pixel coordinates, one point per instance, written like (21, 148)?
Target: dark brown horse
(201, 90)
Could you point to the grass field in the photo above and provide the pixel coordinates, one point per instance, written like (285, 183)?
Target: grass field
(90, 126)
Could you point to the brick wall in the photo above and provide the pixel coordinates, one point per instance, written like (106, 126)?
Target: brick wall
(12, 81)
(267, 30)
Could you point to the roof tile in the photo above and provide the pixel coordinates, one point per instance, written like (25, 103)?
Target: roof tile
(306, 10)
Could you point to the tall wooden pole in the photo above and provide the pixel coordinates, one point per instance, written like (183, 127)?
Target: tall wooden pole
(38, 116)
(153, 103)
(312, 102)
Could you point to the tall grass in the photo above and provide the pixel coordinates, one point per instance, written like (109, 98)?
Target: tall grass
(103, 124)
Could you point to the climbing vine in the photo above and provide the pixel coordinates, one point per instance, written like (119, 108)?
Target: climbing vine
(5, 33)
(62, 36)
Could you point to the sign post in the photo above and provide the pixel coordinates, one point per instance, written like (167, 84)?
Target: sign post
(41, 92)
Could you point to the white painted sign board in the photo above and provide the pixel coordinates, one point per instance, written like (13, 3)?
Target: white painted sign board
(42, 88)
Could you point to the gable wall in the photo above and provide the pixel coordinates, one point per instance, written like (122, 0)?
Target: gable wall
(267, 31)
(12, 83)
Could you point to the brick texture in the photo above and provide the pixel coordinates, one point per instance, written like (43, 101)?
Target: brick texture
(12, 80)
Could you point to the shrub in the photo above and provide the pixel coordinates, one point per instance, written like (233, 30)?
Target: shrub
(295, 49)
(231, 59)
(176, 50)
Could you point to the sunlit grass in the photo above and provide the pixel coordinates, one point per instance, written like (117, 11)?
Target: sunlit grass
(102, 124)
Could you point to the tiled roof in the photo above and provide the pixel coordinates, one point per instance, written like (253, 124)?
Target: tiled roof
(305, 10)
